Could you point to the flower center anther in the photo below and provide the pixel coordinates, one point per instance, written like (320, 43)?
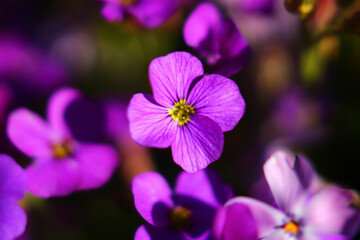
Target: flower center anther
(292, 227)
(180, 218)
(63, 149)
(181, 112)
(128, 2)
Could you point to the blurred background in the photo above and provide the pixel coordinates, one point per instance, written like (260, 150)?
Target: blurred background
(301, 87)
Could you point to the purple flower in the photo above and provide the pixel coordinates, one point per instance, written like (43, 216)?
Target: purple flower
(150, 13)
(5, 99)
(258, 6)
(188, 111)
(306, 210)
(61, 164)
(13, 184)
(185, 213)
(216, 40)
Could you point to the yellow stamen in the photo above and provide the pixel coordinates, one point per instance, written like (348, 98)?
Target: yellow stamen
(63, 149)
(128, 2)
(181, 112)
(180, 218)
(292, 227)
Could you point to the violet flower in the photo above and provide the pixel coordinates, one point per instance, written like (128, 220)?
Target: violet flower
(61, 164)
(305, 210)
(183, 214)
(150, 13)
(13, 184)
(258, 6)
(188, 111)
(216, 40)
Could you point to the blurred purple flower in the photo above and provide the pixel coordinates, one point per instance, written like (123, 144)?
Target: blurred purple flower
(28, 67)
(306, 210)
(5, 99)
(61, 163)
(183, 214)
(188, 111)
(216, 40)
(257, 6)
(13, 185)
(150, 13)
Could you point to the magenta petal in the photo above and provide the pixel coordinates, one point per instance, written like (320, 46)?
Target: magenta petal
(283, 181)
(13, 179)
(239, 223)
(172, 75)
(329, 211)
(112, 12)
(30, 133)
(266, 217)
(12, 219)
(97, 163)
(152, 13)
(197, 144)
(329, 236)
(205, 185)
(149, 232)
(57, 105)
(200, 23)
(52, 178)
(152, 197)
(218, 98)
(150, 124)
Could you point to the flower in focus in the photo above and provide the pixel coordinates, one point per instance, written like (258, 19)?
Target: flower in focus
(216, 40)
(150, 13)
(61, 164)
(306, 208)
(185, 213)
(13, 184)
(188, 111)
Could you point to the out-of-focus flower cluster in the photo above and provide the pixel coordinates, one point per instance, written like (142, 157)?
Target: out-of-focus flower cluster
(235, 84)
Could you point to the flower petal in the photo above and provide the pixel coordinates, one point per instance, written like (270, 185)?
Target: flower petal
(218, 98)
(283, 181)
(329, 211)
(205, 185)
(13, 179)
(30, 133)
(172, 75)
(152, 197)
(152, 13)
(197, 143)
(266, 217)
(204, 18)
(97, 163)
(239, 223)
(50, 178)
(12, 219)
(149, 232)
(57, 106)
(329, 236)
(150, 124)
(112, 12)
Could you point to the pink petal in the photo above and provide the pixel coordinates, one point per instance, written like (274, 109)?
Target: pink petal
(266, 217)
(152, 197)
(50, 178)
(197, 144)
(13, 179)
(283, 181)
(97, 163)
(218, 98)
(329, 236)
(204, 19)
(57, 105)
(112, 12)
(150, 124)
(172, 75)
(30, 133)
(12, 219)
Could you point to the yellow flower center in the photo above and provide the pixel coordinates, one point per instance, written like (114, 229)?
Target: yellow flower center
(128, 2)
(180, 218)
(63, 149)
(181, 112)
(292, 227)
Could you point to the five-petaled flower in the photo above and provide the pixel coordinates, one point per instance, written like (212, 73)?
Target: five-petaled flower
(183, 214)
(188, 111)
(306, 208)
(13, 185)
(61, 163)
